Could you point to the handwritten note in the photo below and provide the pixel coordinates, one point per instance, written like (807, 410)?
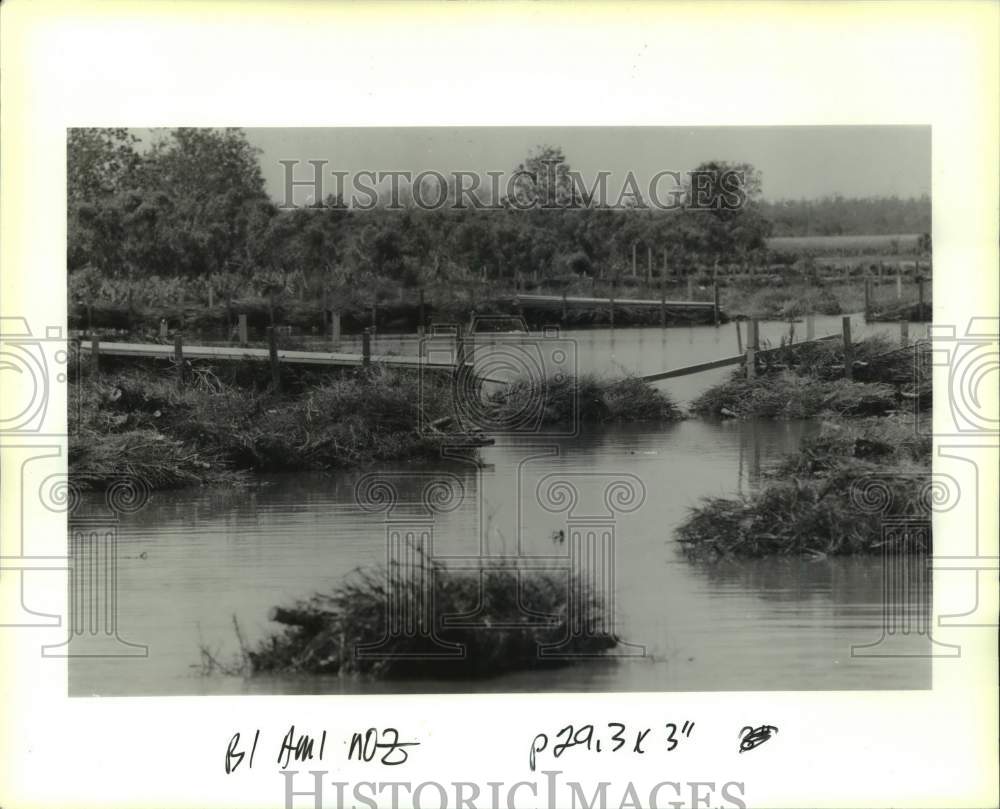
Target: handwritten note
(384, 745)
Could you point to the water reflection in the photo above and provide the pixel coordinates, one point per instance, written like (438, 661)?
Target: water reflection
(193, 559)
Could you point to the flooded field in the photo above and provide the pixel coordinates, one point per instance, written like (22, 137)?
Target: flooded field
(193, 559)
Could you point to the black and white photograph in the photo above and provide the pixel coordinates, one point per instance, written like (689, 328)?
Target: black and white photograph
(410, 404)
(502, 409)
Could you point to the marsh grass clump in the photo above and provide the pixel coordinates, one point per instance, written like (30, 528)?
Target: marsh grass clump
(787, 395)
(805, 380)
(143, 422)
(808, 504)
(588, 399)
(506, 613)
(825, 358)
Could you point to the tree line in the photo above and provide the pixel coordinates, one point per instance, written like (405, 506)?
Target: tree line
(193, 203)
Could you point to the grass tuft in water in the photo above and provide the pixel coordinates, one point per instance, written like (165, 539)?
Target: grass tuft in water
(508, 612)
(809, 504)
(587, 399)
(801, 381)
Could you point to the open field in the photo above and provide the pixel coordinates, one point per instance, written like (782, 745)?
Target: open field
(906, 243)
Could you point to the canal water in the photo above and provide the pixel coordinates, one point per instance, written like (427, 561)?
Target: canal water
(192, 560)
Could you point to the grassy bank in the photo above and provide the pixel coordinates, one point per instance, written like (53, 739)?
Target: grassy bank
(516, 611)
(139, 421)
(809, 504)
(801, 381)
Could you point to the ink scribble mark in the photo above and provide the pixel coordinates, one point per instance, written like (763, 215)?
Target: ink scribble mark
(752, 737)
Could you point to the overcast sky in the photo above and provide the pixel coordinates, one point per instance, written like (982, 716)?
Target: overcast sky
(795, 162)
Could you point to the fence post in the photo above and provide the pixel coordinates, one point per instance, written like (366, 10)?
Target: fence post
(95, 354)
(243, 330)
(715, 303)
(904, 332)
(334, 330)
(848, 349)
(663, 308)
(753, 334)
(739, 338)
(179, 355)
(751, 363)
(272, 352)
(163, 328)
(810, 327)
(366, 347)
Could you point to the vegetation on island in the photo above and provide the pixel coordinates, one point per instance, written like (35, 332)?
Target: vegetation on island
(875, 428)
(812, 502)
(484, 623)
(808, 379)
